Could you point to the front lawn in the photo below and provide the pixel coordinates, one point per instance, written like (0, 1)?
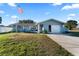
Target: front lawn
(22, 44)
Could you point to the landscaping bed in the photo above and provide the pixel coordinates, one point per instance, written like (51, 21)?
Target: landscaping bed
(22, 44)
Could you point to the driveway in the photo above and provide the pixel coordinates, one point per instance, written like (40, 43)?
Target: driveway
(70, 43)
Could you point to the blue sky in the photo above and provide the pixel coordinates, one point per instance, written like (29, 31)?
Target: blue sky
(39, 12)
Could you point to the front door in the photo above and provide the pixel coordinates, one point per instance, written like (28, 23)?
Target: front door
(49, 28)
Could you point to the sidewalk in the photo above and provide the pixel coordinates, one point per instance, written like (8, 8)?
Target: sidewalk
(70, 43)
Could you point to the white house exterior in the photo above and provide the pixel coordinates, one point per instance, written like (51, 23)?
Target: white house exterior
(4, 29)
(51, 26)
(23, 27)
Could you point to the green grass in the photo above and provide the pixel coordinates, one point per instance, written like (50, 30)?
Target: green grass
(22, 44)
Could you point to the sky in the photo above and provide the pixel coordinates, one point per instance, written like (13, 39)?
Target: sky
(38, 12)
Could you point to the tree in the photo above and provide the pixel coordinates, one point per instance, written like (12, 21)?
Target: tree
(0, 19)
(26, 21)
(71, 24)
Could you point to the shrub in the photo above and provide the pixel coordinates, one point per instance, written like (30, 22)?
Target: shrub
(44, 31)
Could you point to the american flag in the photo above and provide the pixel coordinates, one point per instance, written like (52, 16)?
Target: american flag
(20, 10)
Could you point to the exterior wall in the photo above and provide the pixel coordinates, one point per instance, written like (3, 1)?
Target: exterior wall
(5, 29)
(55, 28)
(46, 26)
(21, 28)
(61, 29)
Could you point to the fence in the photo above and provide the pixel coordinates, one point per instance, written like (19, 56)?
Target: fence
(5, 29)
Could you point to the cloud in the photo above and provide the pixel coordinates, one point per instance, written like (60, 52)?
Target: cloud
(12, 4)
(71, 15)
(72, 6)
(69, 18)
(47, 13)
(14, 17)
(7, 15)
(55, 4)
(2, 12)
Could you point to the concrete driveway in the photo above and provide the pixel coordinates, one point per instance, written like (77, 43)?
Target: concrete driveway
(70, 43)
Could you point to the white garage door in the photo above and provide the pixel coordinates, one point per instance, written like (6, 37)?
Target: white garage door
(55, 28)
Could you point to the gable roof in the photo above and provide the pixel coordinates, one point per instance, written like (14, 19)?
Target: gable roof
(52, 20)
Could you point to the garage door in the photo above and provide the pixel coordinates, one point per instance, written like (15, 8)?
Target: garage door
(55, 29)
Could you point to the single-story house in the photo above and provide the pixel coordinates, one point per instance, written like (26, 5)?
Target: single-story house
(51, 26)
(23, 27)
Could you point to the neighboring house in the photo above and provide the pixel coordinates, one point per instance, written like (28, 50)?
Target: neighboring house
(51, 26)
(23, 27)
(5, 29)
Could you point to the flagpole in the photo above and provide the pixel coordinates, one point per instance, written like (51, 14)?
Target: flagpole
(20, 10)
